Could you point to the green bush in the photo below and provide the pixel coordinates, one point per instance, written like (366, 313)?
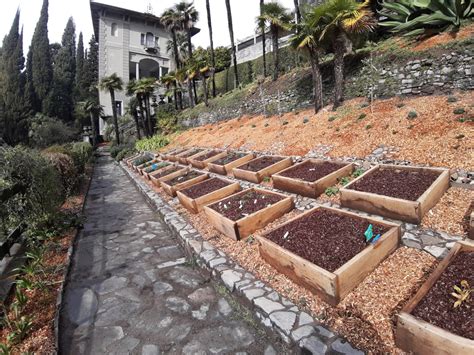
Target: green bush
(152, 144)
(82, 154)
(167, 119)
(46, 131)
(118, 152)
(66, 169)
(124, 153)
(40, 183)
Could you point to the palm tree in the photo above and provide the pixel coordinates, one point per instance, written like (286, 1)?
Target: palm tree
(172, 21)
(306, 38)
(297, 11)
(278, 18)
(343, 21)
(189, 16)
(181, 45)
(169, 81)
(264, 48)
(231, 34)
(133, 89)
(93, 109)
(132, 109)
(146, 87)
(111, 84)
(213, 58)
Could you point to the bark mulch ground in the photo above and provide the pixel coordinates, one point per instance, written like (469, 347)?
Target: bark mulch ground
(186, 177)
(208, 155)
(398, 183)
(238, 207)
(191, 153)
(205, 187)
(310, 171)
(230, 157)
(260, 163)
(325, 238)
(167, 172)
(437, 306)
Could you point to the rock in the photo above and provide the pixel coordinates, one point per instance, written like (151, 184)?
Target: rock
(150, 349)
(81, 306)
(230, 277)
(283, 320)
(160, 288)
(302, 332)
(267, 305)
(203, 295)
(269, 350)
(434, 250)
(111, 284)
(305, 318)
(253, 293)
(313, 345)
(201, 313)
(224, 307)
(177, 304)
(344, 347)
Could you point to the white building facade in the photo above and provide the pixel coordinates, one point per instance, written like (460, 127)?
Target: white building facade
(132, 45)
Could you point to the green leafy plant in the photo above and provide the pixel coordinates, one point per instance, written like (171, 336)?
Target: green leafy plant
(358, 172)
(424, 17)
(152, 144)
(5, 349)
(20, 329)
(254, 126)
(459, 111)
(412, 115)
(332, 118)
(462, 293)
(361, 116)
(369, 126)
(266, 179)
(331, 191)
(344, 181)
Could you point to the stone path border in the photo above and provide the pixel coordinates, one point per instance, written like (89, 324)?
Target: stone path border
(273, 310)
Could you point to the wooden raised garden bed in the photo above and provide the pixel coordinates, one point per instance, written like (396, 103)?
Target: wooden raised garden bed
(143, 166)
(191, 153)
(185, 179)
(195, 197)
(154, 168)
(258, 169)
(325, 250)
(243, 213)
(142, 159)
(429, 324)
(201, 161)
(175, 157)
(168, 172)
(172, 153)
(471, 226)
(311, 177)
(130, 160)
(401, 192)
(225, 164)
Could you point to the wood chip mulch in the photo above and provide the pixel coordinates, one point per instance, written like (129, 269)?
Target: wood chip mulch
(366, 316)
(450, 212)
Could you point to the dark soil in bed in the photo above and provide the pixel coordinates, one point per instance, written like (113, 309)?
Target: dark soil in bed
(238, 207)
(404, 184)
(325, 238)
(437, 306)
(191, 153)
(208, 155)
(310, 171)
(230, 157)
(260, 163)
(167, 172)
(186, 177)
(205, 187)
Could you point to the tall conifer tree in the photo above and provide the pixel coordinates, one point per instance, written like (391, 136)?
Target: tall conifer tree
(80, 92)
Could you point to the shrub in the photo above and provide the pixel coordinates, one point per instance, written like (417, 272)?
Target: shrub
(152, 144)
(118, 152)
(369, 126)
(361, 116)
(331, 118)
(40, 197)
(412, 115)
(66, 169)
(46, 131)
(82, 154)
(124, 153)
(459, 111)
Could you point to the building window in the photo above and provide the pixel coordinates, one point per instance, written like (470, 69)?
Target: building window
(118, 108)
(142, 39)
(156, 41)
(150, 40)
(164, 71)
(114, 30)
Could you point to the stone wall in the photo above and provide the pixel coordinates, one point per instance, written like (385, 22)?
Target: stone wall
(440, 73)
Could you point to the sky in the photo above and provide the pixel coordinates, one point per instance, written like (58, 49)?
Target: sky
(243, 16)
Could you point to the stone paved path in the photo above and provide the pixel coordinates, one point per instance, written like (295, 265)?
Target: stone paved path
(130, 289)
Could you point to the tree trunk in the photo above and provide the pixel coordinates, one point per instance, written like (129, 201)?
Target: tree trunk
(175, 96)
(190, 93)
(175, 48)
(142, 115)
(317, 81)
(204, 83)
(148, 114)
(231, 34)
(190, 55)
(276, 58)
(195, 93)
(297, 11)
(213, 58)
(339, 50)
(264, 49)
(114, 113)
(94, 135)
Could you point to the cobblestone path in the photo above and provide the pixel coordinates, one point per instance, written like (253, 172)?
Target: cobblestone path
(130, 289)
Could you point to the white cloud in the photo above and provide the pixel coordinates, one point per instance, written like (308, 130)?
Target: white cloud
(243, 15)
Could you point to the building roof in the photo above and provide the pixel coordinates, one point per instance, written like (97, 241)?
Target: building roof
(97, 7)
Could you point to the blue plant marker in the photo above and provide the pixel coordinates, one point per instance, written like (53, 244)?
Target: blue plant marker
(369, 233)
(154, 166)
(377, 237)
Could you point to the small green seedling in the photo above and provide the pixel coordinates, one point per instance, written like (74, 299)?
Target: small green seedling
(344, 181)
(250, 240)
(358, 172)
(331, 191)
(369, 126)
(412, 115)
(253, 126)
(459, 111)
(361, 116)
(462, 293)
(266, 179)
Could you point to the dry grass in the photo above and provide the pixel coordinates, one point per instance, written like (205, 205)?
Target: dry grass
(436, 137)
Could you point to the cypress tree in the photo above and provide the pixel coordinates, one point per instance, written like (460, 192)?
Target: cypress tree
(91, 70)
(14, 111)
(80, 93)
(41, 70)
(60, 101)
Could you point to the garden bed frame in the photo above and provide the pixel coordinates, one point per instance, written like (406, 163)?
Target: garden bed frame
(129, 160)
(175, 157)
(202, 164)
(227, 168)
(258, 176)
(404, 210)
(142, 167)
(170, 154)
(147, 175)
(157, 181)
(471, 226)
(196, 205)
(331, 286)
(311, 188)
(243, 227)
(171, 190)
(420, 337)
(185, 160)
